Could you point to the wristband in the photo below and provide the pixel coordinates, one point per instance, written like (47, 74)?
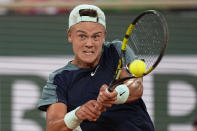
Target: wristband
(71, 120)
(123, 94)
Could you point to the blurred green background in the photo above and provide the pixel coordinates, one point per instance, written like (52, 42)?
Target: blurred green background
(46, 34)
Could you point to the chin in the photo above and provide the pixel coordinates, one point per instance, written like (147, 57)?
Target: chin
(90, 61)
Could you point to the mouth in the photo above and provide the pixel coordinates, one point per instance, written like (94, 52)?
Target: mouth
(88, 52)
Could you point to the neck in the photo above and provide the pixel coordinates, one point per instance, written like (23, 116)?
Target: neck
(86, 65)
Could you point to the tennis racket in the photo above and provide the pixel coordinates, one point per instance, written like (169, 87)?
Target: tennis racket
(147, 36)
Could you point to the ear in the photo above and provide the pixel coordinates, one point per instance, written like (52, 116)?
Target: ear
(69, 36)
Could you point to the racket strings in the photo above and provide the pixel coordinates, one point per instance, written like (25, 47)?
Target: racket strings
(147, 39)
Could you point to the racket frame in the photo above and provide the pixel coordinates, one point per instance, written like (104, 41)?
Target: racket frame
(122, 60)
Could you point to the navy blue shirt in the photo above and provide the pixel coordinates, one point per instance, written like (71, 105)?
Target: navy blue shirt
(75, 86)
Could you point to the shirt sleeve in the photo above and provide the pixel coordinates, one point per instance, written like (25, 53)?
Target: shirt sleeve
(52, 93)
(130, 55)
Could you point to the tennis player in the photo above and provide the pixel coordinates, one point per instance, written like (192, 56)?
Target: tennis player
(75, 96)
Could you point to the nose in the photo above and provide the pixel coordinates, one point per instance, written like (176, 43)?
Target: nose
(89, 43)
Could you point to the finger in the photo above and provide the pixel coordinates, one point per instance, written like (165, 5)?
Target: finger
(107, 100)
(98, 105)
(103, 96)
(100, 99)
(90, 115)
(96, 111)
(90, 112)
(110, 95)
(114, 94)
(103, 99)
(108, 104)
(103, 88)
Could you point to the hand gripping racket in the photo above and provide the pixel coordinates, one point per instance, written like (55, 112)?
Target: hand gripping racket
(147, 36)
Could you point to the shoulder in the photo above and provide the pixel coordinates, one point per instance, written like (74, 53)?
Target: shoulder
(67, 68)
(130, 54)
(114, 45)
(56, 84)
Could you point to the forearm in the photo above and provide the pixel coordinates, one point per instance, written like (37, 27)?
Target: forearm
(57, 125)
(136, 90)
(133, 98)
(59, 120)
(129, 92)
(135, 86)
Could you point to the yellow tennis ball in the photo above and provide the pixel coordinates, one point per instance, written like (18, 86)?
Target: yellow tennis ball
(137, 68)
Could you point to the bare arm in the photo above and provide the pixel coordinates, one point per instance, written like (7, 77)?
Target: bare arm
(56, 113)
(135, 86)
(136, 89)
(55, 117)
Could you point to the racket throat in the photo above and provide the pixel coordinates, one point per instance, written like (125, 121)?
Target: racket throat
(118, 74)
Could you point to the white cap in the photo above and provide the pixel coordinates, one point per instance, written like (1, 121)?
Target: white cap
(75, 17)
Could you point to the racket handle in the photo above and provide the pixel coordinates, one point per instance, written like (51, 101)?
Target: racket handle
(109, 90)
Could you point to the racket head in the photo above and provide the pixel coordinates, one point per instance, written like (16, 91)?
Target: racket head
(147, 36)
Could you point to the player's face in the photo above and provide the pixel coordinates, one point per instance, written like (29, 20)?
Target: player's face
(87, 39)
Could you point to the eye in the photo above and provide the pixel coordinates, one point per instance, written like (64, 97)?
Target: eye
(82, 36)
(96, 37)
